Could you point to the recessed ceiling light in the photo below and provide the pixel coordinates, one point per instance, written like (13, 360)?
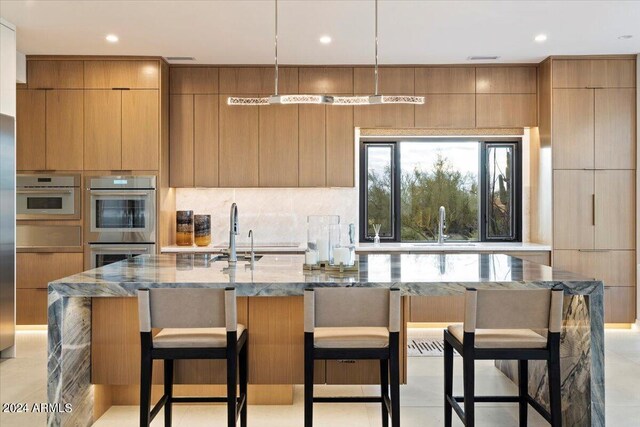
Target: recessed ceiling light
(112, 38)
(541, 38)
(625, 37)
(325, 39)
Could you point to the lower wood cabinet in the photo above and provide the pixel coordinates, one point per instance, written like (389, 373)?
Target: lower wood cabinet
(34, 271)
(619, 304)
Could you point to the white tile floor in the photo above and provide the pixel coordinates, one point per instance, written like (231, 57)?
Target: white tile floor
(24, 380)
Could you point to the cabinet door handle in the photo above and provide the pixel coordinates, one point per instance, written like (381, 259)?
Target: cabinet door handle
(593, 208)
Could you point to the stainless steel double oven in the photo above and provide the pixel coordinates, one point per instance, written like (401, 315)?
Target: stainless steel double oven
(120, 219)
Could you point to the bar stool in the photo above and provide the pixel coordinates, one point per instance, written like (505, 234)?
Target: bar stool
(512, 324)
(353, 323)
(197, 324)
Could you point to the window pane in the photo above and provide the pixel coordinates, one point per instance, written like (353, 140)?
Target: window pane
(379, 190)
(500, 191)
(435, 174)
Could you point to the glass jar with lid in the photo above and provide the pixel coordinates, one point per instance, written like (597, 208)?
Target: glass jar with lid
(319, 237)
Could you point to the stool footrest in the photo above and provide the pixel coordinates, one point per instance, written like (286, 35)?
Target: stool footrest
(198, 399)
(455, 400)
(348, 399)
(490, 399)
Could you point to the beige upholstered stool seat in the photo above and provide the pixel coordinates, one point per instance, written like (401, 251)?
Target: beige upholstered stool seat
(193, 337)
(351, 337)
(502, 338)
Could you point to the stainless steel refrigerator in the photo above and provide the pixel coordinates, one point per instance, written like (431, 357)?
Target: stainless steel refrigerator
(7, 231)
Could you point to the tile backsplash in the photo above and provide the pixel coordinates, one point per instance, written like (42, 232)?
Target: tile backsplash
(276, 215)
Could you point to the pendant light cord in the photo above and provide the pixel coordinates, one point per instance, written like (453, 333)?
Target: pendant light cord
(376, 55)
(276, 48)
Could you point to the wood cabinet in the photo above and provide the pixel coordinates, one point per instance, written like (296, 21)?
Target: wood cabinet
(340, 139)
(257, 80)
(205, 140)
(30, 130)
(140, 130)
(445, 80)
(34, 271)
(506, 110)
(65, 133)
(312, 147)
(593, 73)
(55, 74)
(278, 146)
(447, 111)
(615, 129)
(573, 209)
(102, 129)
(384, 116)
(120, 74)
(181, 141)
(193, 80)
(506, 80)
(238, 139)
(614, 268)
(121, 129)
(573, 128)
(615, 209)
(326, 80)
(619, 304)
(391, 81)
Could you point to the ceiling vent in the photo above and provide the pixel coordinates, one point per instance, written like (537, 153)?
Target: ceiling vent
(482, 58)
(180, 58)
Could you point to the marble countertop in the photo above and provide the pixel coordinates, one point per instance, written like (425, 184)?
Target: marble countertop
(283, 275)
(370, 247)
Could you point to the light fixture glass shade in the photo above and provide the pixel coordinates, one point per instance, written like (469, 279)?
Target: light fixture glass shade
(395, 99)
(350, 100)
(300, 99)
(233, 100)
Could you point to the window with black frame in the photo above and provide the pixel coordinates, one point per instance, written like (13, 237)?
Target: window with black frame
(404, 183)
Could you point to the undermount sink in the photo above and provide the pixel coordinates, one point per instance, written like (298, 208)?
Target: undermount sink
(241, 258)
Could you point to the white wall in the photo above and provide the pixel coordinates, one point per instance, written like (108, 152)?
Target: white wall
(7, 68)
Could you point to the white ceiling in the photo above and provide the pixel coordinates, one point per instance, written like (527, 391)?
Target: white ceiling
(241, 32)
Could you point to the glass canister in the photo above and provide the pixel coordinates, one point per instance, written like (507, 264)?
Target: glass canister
(202, 230)
(318, 236)
(184, 228)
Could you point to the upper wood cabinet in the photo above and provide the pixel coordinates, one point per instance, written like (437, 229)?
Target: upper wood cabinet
(340, 147)
(615, 129)
(278, 142)
(506, 110)
(30, 130)
(312, 147)
(131, 74)
(573, 209)
(140, 130)
(445, 80)
(594, 73)
(181, 125)
(384, 116)
(615, 209)
(506, 80)
(573, 128)
(102, 129)
(391, 81)
(205, 140)
(193, 80)
(55, 74)
(326, 80)
(257, 80)
(239, 129)
(65, 132)
(447, 111)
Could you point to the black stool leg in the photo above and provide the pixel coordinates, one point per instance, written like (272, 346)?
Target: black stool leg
(384, 390)
(523, 390)
(468, 369)
(232, 372)
(394, 367)
(168, 390)
(146, 371)
(448, 382)
(555, 385)
(308, 379)
(243, 383)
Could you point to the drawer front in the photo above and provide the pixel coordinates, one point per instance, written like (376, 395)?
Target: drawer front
(36, 270)
(614, 268)
(31, 306)
(437, 309)
(619, 304)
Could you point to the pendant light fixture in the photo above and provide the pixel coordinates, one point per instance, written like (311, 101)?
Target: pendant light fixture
(376, 98)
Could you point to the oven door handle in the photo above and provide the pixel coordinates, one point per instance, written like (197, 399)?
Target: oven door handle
(44, 191)
(118, 249)
(120, 193)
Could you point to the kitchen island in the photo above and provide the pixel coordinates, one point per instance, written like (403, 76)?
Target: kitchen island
(95, 366)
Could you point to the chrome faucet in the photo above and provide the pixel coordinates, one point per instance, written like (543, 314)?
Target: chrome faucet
(233, 232)
(253, 256)
(442, 217)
